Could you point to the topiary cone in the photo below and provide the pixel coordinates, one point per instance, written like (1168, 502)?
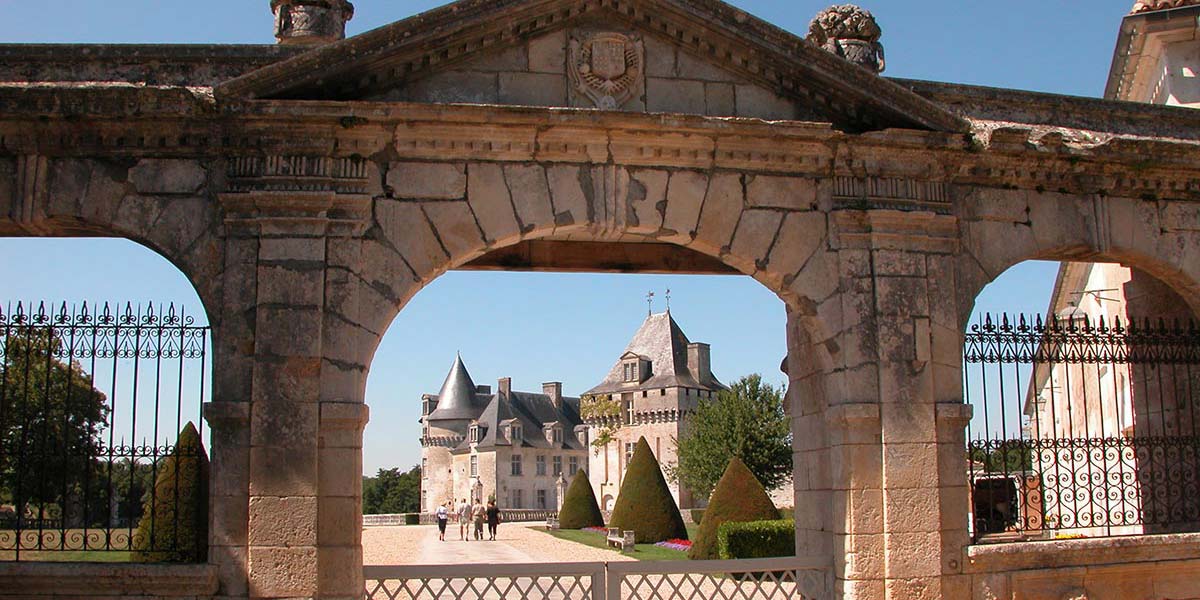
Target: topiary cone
(579, 507)
(738, 497)
(644, 504)
(174, 524)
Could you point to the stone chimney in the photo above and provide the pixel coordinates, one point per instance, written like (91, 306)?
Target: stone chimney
(698, 362)
(504, 386)
(311, 22)
(554, 390)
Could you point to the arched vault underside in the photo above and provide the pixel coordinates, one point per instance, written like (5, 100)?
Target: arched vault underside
(307, 215)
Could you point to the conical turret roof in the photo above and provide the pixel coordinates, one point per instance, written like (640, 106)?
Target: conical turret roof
(457, 398)
(661, 342)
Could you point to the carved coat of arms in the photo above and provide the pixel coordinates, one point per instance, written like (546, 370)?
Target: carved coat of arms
(607, 68)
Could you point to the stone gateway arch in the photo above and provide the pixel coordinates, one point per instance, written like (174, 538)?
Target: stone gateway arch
(308, 190)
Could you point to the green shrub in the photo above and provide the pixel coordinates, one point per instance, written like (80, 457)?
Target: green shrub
(579, 508)
(644, 504)
(738, 497)
(412, 518)
(697, 515)
(787, 512)
(756, 539)
(174, 524)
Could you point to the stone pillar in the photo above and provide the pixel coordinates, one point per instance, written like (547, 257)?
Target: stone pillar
(895, 419)
(306, 374)
(311, 22)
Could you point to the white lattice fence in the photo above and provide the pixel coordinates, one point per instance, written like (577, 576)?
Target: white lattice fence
(764, 579)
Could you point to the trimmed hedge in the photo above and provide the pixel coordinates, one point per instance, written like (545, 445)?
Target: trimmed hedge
(738, 497)
(644, 504)
(174, 525)
(412, 518)
(756, 539)
(697, 515)
(579, 508)
(787, 512)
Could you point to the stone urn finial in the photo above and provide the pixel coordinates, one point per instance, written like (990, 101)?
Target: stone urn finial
(311, 22)
(850, 32)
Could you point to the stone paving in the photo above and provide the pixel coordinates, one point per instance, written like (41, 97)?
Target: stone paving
(515, 543)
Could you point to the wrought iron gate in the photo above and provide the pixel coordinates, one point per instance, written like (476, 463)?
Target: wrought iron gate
(1082, 428)
(92, 400)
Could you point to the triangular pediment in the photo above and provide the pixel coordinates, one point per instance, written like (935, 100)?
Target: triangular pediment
(684, 56)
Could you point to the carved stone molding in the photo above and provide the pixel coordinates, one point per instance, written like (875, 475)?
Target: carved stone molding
(300, 195)
(890, 193)
(608, 68)
(894, 230)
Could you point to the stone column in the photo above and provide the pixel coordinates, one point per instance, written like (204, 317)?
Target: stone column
(896, 418)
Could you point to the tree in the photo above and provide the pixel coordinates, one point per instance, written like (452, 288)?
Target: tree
(738, 497)
(50, 419)
(746, 421)
(644, 504)
(392, 492)
(174, 523)
(579, 508)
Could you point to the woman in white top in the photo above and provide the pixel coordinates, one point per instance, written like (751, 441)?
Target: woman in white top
(442, 515)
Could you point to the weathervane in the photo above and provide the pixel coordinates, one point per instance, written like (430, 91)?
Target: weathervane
(650, 303)
(668, 299)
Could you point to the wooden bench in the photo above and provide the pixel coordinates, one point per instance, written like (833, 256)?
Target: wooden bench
(616, 539)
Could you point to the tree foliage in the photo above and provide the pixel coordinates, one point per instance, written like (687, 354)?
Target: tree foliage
(579, 508)
(51, 417)
(174, 524)
(644, 504)
(602, 412)
(738, 497)
(746, 421)
(392, 492)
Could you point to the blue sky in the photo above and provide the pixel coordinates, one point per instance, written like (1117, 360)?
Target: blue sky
(539, 327)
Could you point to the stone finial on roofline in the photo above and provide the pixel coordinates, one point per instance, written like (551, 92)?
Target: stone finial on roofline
(311, 22)
(850, 32)
(1142, 6)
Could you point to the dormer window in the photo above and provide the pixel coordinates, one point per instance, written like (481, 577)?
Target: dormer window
(474, 433)
(514, 433)
(630, 370)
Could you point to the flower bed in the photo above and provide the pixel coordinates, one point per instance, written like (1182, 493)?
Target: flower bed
(680, 545)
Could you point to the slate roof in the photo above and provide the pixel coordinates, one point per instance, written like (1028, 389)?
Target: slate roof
(663, 343)
(460, 401)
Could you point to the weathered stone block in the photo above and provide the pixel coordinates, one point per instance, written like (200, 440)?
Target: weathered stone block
(647, 200)
(168, 176)
(909, 466)
(791, 193)
(570, 203)
(406, 228)
(720, 100)
(428, 181)
(292, 249)
(340, 572)
(660, 57)
(753, 238)
(675, 96)
(283, 471)
(800, 236)
(531, 197)
(723, 204)
(512, 59)
(299, 285)
(548, 53)
(341, 520)
(288, 522)
(685, 197)
(229, 519)
(456, 228)
(284, 424)
(689, 66)
(450, 87)
(913, 554)
(915, 588)
(282, 331)
(914, 510)
(491, 201)
(908, 422)
(753, 101)
(340, 471)
(533, 89)
(283, 572)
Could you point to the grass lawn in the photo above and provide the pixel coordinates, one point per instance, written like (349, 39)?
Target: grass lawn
(640, 551)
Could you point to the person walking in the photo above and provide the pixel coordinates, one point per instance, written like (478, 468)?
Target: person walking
(464, 519)
(443, 514)
(493, 519)
(478, 512)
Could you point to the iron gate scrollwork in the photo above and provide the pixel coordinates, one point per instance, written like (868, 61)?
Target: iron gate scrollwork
(92, 400)
(1082, 428)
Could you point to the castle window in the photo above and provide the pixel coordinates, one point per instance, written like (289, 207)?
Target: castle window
(557, 466)
(541, 499)
(474, 466)
(474, 433)
(573, 465)
(516, 464)
(541, 465)
(557, 435)
(629, 414)
(424, 468)
(514, 433)
(629, 446)
(518, 499)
